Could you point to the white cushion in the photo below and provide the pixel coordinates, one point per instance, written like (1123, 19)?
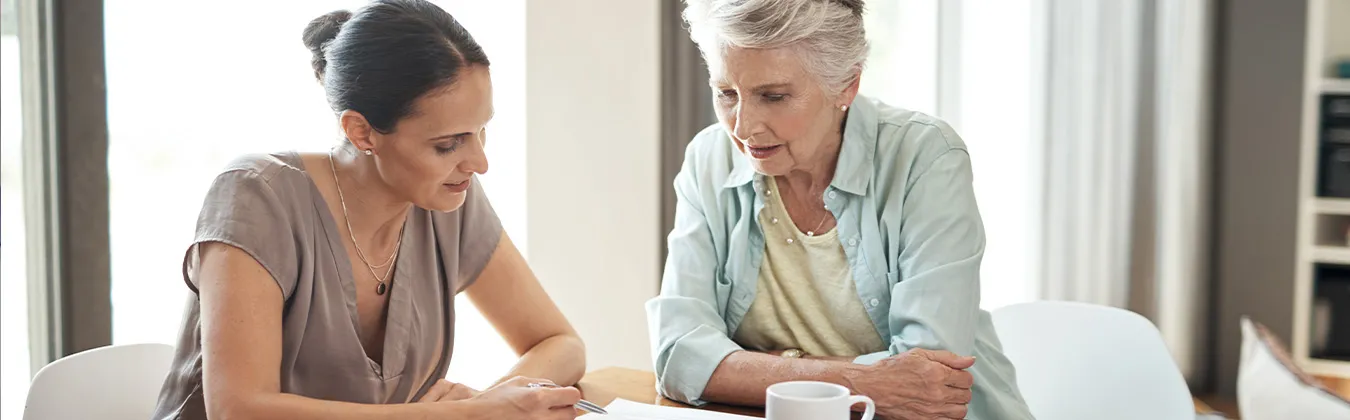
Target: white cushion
(1270, 387)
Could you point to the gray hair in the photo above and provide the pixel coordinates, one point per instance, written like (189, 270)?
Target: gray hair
(827, 34)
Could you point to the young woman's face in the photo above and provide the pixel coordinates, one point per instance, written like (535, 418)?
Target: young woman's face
(431, 156)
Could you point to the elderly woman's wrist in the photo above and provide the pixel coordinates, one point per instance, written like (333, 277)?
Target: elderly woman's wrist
(852, 374)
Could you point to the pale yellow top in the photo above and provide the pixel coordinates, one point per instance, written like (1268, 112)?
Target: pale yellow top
(805, 295)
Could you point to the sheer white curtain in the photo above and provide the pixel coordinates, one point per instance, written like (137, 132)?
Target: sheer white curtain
(1126, 159)
(1183, 167)
(1092, 115)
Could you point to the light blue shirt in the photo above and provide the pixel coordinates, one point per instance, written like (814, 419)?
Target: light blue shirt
(907, 221)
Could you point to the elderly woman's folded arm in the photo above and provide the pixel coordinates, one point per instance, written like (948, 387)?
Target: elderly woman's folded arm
(937, 305)
(689, 337)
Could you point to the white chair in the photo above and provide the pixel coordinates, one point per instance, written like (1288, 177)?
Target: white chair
(1078, 361)
(113, 382)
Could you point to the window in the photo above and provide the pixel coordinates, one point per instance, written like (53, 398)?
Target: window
(192, 85)
(971, 65)
(996, 113)
(15, 367)
(902, 67)
(481, 356)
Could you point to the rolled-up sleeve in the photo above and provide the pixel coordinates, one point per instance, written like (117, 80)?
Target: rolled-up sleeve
(935, 305)
(689, 337)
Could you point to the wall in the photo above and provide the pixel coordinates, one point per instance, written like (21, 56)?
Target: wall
(592, 125)
(1259, 86)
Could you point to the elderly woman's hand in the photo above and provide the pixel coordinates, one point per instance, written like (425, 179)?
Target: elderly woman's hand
(918, 385)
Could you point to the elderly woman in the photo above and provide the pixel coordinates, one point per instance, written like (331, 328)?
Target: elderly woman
(821, 235)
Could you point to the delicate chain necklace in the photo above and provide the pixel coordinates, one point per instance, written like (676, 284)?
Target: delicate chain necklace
(811, 232)
(380, 288)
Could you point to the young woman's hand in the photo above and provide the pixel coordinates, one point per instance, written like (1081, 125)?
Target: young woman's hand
(445, 390)
(515, 399)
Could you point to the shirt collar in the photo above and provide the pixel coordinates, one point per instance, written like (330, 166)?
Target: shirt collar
(854, 171)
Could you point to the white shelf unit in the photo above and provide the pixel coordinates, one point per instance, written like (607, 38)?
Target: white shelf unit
(1332, 206)
(1324, 223)
(1331, 255)
(1324, 367)
(1336, 86)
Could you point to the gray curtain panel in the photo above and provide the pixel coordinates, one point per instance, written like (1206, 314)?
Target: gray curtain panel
(686, 104)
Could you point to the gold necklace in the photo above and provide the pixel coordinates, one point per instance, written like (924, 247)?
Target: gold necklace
(380, 288)
(811, 232)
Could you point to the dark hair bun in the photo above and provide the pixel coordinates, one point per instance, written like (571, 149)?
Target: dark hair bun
(319, 33)
(378, 59)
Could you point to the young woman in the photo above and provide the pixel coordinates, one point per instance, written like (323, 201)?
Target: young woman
(325, 283)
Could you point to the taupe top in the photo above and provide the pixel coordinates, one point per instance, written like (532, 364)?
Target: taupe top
(268, 206)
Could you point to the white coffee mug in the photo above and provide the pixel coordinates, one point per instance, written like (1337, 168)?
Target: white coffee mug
(807, 400)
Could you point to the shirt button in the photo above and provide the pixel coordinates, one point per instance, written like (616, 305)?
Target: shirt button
(790, 241)
(874, 302)
(774, 220)
(852, 241)
(832, 194)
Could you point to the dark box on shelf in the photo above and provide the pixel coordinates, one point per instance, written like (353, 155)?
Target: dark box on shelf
(1330, 333)
(1333, 174)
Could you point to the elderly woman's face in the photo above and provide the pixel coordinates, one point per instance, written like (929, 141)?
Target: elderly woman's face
(776, 113)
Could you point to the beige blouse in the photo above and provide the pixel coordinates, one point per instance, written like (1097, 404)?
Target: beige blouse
(268, 206)
(805, 297)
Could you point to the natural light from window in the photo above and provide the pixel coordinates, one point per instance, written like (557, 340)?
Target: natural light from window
(192, 85)
(15, 370)
(994, 103)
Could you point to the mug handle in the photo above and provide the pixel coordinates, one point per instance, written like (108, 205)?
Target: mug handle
(871, 406)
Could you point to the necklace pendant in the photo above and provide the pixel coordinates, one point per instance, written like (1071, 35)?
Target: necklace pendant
(381, 288)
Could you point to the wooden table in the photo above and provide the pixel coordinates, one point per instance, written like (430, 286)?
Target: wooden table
(605, 385)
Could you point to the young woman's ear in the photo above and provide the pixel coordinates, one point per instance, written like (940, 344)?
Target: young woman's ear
(357, 130)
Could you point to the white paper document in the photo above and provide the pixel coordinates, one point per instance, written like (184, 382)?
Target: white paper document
(622, 409)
